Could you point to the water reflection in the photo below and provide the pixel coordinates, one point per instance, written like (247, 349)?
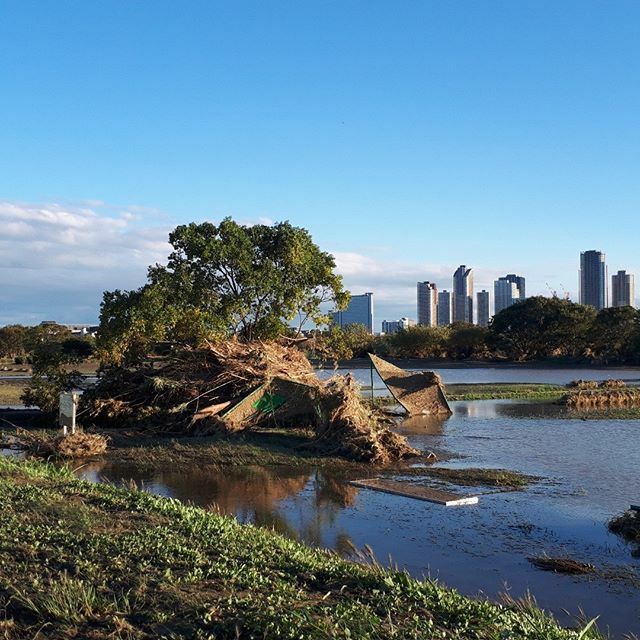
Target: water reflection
(252, 494)
(420, 425)
(474, 549)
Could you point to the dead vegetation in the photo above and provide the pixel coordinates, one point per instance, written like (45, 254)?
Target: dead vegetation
(586, 385)
(233, 386)
(604, 397)
(562, 565)
(502, 478)
(41, 444)
(627, 525)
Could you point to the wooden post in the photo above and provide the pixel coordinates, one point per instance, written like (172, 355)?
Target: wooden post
(371, 375)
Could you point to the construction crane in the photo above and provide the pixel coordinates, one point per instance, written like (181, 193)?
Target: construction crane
(553, 292)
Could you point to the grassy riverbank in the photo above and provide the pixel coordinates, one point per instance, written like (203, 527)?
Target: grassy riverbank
(94, 561)
(505, 391)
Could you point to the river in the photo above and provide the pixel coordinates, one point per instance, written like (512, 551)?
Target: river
(589, 470)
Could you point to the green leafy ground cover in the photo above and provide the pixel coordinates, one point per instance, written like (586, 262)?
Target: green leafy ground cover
(94, 561)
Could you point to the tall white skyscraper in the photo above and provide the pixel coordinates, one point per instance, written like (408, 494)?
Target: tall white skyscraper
(483, 308)
(463, 294)
(427, 303)
(593, 279)
(623, 292)
(505, 293)
(444, 308)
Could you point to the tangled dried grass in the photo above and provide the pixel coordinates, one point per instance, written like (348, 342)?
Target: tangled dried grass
(583, 384)
(627, 525)
(218, 387)
(602, 398)
(74, 445)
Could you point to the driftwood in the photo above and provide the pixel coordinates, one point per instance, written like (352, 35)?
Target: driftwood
(232, 386)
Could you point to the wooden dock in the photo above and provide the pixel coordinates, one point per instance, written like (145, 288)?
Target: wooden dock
(412, 490)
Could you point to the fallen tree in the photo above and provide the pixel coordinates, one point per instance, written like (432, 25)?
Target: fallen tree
(231, 386)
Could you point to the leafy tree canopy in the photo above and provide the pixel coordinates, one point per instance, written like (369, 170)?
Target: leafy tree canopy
(539, 328)
(222, 280)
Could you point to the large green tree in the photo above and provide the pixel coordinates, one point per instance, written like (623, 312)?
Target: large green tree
(222, 280)
(14, 340)
(538, 328)
(614, 335)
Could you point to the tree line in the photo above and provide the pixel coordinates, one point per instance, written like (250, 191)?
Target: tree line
(535, 329)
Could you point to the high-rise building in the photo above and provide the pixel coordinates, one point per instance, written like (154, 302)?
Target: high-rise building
(359, 311)
(593, 279)
(483, 308)
(505, 293)
(444, 308)
(463, 295)
(519, 281)
(622, 289)
(427, 303)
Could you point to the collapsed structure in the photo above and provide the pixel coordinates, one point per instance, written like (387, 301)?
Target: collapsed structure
(418, 392)
(234, 386)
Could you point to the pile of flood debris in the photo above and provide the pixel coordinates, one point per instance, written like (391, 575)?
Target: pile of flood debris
(41, 444)
(233, 386)
(604, 395)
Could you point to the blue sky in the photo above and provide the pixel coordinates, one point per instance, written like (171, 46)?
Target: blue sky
(408, 137)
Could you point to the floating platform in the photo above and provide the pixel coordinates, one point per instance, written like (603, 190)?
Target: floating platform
(411, 490)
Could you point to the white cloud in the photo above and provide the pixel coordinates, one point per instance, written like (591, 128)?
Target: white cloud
(56, 259)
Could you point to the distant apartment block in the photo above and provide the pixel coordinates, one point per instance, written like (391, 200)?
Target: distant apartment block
(393, 326)
(623, 290)
(359, 311)
(505, 293)
(519, 281)
(483, 308)
(444, 308)
(463, 294)
(427, 303)
(593, 279)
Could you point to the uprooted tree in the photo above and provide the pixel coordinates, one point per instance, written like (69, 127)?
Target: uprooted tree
(221, 281)
(196, 349)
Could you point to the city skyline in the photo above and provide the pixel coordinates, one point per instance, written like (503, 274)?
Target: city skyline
(147, 118)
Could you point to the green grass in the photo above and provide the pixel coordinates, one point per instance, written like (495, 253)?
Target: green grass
(504, 391)
(94, 561)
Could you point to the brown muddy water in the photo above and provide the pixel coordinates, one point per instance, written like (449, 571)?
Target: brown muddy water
(589, 470)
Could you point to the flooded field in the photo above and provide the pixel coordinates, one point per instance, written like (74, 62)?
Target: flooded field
(589, 472)
(502, 373)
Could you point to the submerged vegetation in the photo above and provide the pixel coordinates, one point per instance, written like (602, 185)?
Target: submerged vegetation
(504, 391)
(482, 477)
(95, 561)
(562, 565)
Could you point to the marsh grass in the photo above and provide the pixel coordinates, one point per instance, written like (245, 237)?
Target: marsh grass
(504, 391)
(178, 571)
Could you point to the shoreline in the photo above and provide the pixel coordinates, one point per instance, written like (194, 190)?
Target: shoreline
(156, 567)
(427, 363)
